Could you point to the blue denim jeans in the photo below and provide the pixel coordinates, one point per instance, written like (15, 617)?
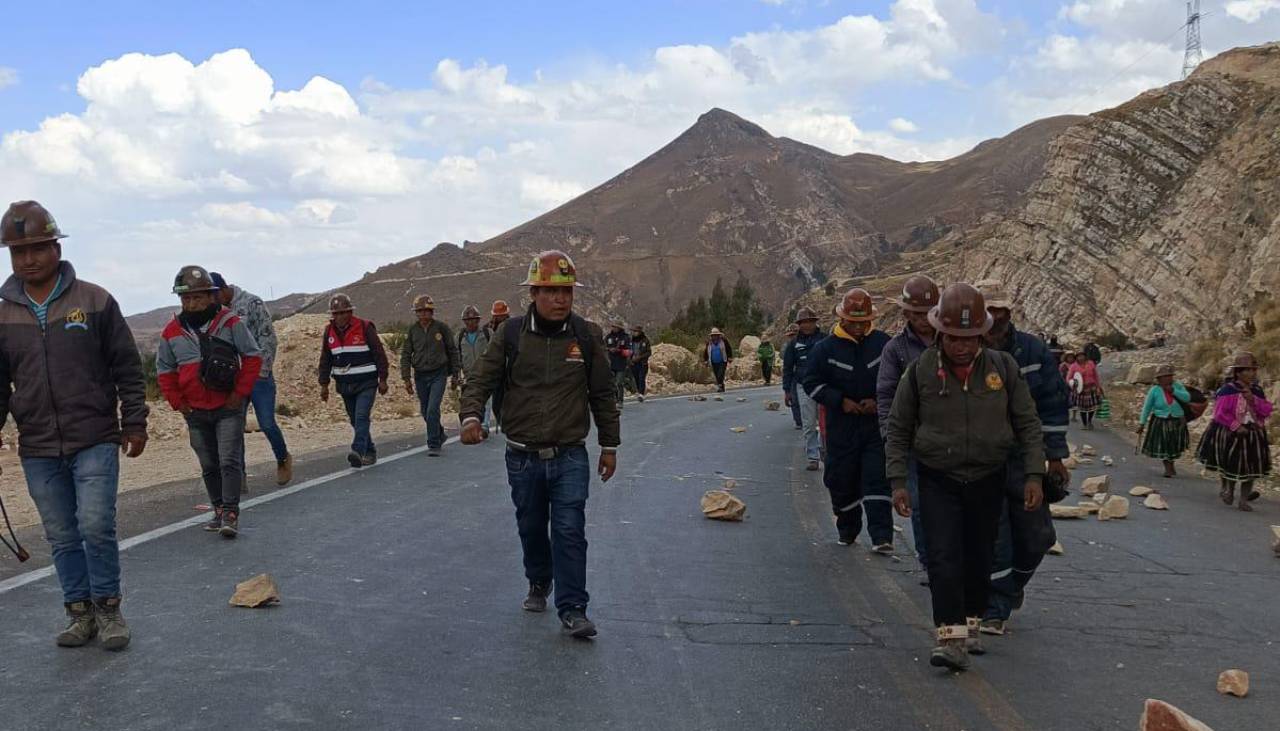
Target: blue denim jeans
(1021, 545)
(553, 493)
(917, 522)
(76, 497)
(429, 385)
(217, 437)
(359, 413)
(263, 400)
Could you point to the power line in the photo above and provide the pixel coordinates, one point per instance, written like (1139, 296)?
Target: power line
(1194, 53)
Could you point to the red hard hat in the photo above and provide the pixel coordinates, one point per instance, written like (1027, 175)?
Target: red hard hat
(857, 306)
(500, 308)
(919, 294)
(961, 312)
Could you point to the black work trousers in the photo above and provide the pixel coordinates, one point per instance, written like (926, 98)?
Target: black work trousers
(961, 520)
(854, 475)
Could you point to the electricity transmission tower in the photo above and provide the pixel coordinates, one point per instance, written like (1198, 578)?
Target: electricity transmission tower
(1193, 55)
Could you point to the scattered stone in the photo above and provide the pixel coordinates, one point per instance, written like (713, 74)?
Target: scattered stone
(1087, 450)
(1140, 491)
(794, 623)
(1100, 498)
(742, 400)
(1156, 501)
(720, 505)
(1160, 716)
(1094, 485)
(1085, 460)
(1107, 461)
(1234, 682)
(259, 591)
(1116, 507)
(1090, 507)
(728, 484)
(1275, 539)
(772, 405)
(737, 429)
(1056, 549)
(1071, 463)
(1064, 512)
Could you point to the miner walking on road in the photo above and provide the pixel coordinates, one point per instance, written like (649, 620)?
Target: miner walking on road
(962, 410)
(255, 315)
(793, 403)
(556, 370)
(1025, 536)
(206, 364)
(641, 352)
(352, 354)
(919, 295)
(498, 314)
(794, 360)
(65, 347)
(428, 360)
(842, 377)
(619, 344)
(472, 341)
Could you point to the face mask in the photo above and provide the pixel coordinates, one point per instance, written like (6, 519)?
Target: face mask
(199, 319)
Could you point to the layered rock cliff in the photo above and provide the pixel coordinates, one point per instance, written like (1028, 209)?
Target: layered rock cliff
(1162, 214)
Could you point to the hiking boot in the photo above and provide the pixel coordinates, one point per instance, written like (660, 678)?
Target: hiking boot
(354, 459)
(973, 643)
(215, 522)
(950, 652)
(992, 627)
(1227, 492)
(82, 628)
(370, 458)
(433, 451)
(884, 549)
(847, 538)
(813, 466)
(537, 599)
(574, 622)
(284, 470)
(230, 523)
(111, 627)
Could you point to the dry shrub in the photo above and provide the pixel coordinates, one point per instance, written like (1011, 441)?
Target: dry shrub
(689, 371)
(1204, 362)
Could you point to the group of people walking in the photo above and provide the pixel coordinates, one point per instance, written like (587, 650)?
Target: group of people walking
(958, 421)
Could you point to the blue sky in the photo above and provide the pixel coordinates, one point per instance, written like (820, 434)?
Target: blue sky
(300, 144)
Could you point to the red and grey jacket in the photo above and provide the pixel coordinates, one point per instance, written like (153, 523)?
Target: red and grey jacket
(353, 356)
(178, 362)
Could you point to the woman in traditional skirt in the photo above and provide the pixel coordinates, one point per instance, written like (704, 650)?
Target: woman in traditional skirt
(1082, 377)
(1235, 444)
(1164, 420)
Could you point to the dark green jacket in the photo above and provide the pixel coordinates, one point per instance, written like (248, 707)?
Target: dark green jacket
(548, 400)
(965, 431)
(429, 349)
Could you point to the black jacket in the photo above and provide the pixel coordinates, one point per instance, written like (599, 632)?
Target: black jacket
(617, 342)
(77, 384)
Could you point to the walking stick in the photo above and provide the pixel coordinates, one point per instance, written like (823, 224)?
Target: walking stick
(16, 548)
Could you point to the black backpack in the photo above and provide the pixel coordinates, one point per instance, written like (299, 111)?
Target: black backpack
(511, 345)
(219, 360)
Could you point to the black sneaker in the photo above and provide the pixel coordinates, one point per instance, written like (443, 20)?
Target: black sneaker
(537, 599)
(354, 459)
(215, 521)
(575, 623)
(230, 524)
(369, 459)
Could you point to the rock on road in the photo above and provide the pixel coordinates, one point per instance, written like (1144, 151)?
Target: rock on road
(401, 587)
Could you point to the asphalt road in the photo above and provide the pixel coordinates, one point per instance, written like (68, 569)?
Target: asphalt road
(401, 588)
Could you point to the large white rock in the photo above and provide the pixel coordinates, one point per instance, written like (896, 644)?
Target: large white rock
(1116, 506)
(1144, 373)
(1140, 491)
(1156, 501)
(1234, 682)
(1160, 716)
(1094, 485)
(1066, 511)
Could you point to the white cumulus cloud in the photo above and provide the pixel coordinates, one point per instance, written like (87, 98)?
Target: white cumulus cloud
(8, 76)
(1250, 11)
